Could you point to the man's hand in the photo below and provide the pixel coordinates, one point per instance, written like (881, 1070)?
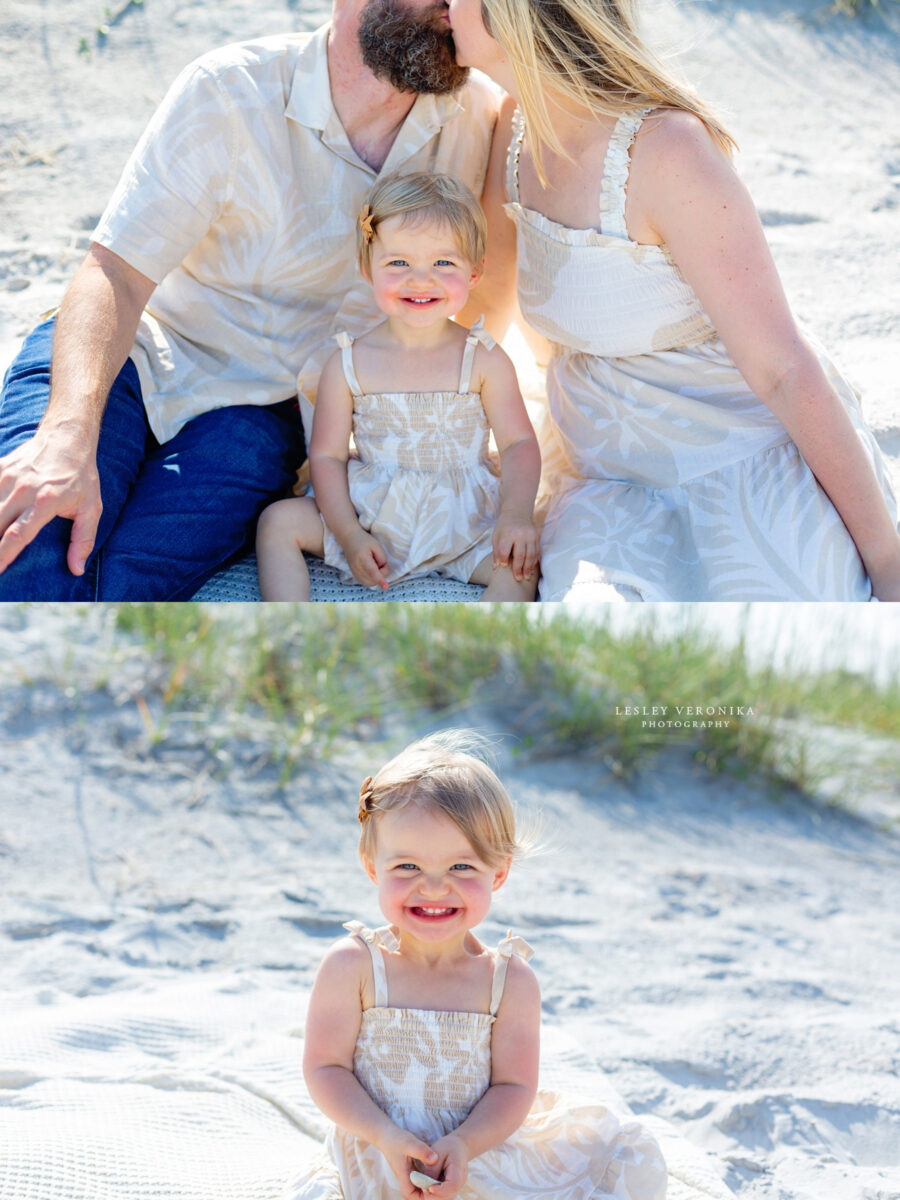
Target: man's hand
(55, 474)
(452, 1167)
(366, 559)
(52, 475)
(405, 1153)
(516, 543)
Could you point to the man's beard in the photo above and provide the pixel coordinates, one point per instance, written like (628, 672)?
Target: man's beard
(408, 48)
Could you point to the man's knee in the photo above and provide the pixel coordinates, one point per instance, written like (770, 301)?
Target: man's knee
(40, 572)
(26, 389)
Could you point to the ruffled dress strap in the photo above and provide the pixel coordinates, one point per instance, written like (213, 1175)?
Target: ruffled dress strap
(511, 944)
(615, 174)
(376, 940)
(345, 341)
(477, 334)
(512, 157)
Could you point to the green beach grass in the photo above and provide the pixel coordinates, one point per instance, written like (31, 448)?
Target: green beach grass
(301, 677)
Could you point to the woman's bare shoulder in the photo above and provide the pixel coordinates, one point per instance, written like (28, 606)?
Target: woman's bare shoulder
(672, 139)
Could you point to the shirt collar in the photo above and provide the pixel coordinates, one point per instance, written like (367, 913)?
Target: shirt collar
(310, 104)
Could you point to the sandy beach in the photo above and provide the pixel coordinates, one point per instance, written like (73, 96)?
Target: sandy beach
(809, 94)
(722, 960)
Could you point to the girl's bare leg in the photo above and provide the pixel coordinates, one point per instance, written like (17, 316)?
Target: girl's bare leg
(502, 584)
(285, 530)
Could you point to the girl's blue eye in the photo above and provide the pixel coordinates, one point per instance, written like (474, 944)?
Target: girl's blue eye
(407, 867)
(444, 262)
(462, 867)
(397, 262)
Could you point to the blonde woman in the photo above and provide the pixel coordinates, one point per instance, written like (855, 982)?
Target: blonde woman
(698, 446)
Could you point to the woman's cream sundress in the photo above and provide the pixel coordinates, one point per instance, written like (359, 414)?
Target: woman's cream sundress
(427, 1070)
(665, 477)
(422, 481)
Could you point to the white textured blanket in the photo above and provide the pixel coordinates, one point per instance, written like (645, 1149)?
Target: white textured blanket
(193, 1092)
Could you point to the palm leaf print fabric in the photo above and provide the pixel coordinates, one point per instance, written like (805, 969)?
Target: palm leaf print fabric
(665, 477)
(427, 1070)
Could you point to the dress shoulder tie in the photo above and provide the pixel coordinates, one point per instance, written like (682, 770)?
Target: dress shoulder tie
(476, 334)
(377, 940)
(345, 341)
(510, 945)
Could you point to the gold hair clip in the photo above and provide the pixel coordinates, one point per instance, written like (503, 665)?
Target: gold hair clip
(365, 222)
(365, 799)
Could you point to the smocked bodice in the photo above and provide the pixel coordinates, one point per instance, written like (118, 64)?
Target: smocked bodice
(596, 290)
(420, 431)
(426, 1070)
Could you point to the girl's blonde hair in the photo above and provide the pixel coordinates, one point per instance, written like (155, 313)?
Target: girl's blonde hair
(423, 196)
(591, 52)
(445, 773)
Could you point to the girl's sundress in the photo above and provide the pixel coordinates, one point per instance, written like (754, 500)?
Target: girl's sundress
(422, 481)
(427, 1070)
(665, 477)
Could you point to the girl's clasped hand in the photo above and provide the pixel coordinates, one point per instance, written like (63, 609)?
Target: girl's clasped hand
(420, 395)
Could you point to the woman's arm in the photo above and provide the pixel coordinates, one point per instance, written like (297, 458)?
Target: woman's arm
(515, 1053)
(495, 296)
(329, 450)
(686, 194)
(332, 1027)
(515, 534)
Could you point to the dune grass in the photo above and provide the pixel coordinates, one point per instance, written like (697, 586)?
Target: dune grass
(281, 684)
(565, 682)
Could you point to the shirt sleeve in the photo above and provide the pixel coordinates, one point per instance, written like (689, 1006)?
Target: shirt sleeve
(178, 178)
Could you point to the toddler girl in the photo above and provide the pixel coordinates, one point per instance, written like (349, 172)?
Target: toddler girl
(422, 1043)
(420, 394)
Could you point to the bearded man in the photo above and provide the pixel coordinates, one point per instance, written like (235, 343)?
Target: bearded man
(220, 271)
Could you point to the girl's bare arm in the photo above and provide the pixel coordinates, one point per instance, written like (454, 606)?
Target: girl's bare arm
(515, 1053)
(332, 1027)
(516, 541)
(329, 451)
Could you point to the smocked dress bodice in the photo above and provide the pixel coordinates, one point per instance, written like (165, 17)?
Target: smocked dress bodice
(595, 290)
(426, 1069)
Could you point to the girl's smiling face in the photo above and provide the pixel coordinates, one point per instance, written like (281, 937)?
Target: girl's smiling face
(418, 273)
(431, 884)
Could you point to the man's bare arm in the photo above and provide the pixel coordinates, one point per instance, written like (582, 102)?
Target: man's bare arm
(55, 473)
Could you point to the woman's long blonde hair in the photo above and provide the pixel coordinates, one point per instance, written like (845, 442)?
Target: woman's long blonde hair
(591, 52)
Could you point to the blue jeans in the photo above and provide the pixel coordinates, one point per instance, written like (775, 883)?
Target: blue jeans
(172, 514)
